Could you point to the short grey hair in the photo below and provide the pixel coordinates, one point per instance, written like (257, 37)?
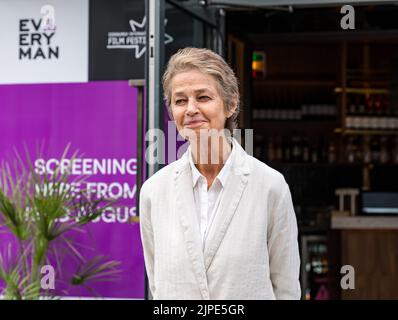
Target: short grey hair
(208, 62)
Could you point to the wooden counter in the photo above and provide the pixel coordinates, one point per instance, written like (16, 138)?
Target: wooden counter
(370, 245)
(365, 222)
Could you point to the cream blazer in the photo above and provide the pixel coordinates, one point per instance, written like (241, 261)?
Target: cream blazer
(251, 250)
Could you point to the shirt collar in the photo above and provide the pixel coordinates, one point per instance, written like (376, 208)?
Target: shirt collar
(222, 175)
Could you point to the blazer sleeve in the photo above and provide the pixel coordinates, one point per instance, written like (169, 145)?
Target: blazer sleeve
(147, 239)
(283, 248)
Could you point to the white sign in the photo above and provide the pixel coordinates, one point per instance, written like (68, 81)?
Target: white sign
(43, 41)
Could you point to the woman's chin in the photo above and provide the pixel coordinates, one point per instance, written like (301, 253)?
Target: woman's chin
(197, 129)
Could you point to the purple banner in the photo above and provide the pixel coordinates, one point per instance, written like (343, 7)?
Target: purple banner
(99, 120)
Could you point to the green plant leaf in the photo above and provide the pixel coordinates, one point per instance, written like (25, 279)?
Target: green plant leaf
(96, 269)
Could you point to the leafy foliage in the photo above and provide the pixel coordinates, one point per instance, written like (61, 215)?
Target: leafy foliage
(39, 210)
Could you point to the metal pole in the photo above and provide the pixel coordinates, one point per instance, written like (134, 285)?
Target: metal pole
(155, 61)
(154, 12)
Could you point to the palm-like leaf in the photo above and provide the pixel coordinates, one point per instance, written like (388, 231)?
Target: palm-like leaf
(17, 285)
(13, 210)
(97, 269)
(38, 209)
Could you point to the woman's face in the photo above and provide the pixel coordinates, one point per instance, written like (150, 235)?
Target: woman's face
(196, 103)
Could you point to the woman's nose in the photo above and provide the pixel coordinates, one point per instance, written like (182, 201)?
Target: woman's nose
(191, 108)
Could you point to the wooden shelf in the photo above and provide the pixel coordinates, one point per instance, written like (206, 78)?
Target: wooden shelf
(330, 164)
(368, 78)
(313, 164)
(362, 90)
(360, 73)
(345, 131)
(375, 83)
(296, 121)
(289, 127)
(293, 82)
(365, 222)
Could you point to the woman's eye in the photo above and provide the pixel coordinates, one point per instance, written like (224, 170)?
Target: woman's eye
(204, 98)
(179, 101)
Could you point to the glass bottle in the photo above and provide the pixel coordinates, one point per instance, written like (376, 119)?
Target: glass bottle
(279, 150)
(384, 156)
(332, 152)
(375, 149)
(271, 149)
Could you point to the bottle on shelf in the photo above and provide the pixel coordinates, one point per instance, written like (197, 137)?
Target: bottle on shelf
(366, 150)
(281, 107)
(279, 149)
(394, 155)
(287, 150)
(377, 105)
(322, 150)
(350, 150)
(358, 152)
(385, 105)
(296, 147)
(384, 155)
(369, 105)
(332, 152)
(280, 112)
(297, 111)
(259, 139)
(361, 105)
(352, 107)
(318, 275)
(289, 108)
(370, 112)
(255, 114)
(306, 151)
(304, 108)
(271, 149)
(371, 149)
(375, 149)
(314, 152)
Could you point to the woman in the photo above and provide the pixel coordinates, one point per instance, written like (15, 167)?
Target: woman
(217, 223)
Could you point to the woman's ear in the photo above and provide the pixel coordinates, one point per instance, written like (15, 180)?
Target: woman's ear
(170, 112)
(231, 111)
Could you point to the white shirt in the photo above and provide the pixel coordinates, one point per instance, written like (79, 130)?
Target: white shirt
(207, 201)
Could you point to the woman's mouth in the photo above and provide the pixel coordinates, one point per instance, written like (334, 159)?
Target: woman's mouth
(194, 124)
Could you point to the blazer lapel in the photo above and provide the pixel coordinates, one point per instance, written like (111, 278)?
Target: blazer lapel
(185, 206)
(235, 186)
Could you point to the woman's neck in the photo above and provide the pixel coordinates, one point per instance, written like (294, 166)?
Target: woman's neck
(210, 155)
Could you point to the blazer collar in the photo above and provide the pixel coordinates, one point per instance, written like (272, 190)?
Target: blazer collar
(222, 175)
(241, 163)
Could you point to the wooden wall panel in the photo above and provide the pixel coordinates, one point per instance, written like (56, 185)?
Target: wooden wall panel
(374, 255)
